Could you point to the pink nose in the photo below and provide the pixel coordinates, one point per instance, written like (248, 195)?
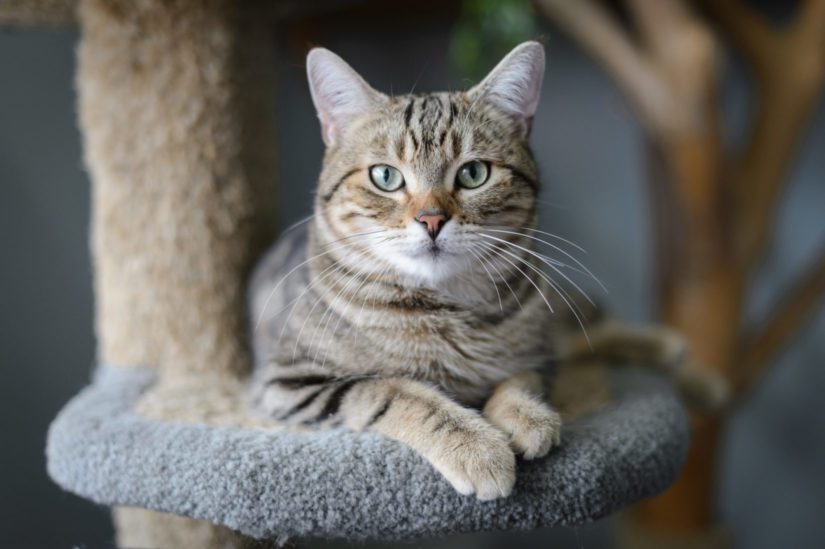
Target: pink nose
(434, 221)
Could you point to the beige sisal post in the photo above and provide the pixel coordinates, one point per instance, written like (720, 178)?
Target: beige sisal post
(175, 106)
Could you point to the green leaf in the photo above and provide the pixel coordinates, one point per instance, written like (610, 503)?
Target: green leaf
(485, 31)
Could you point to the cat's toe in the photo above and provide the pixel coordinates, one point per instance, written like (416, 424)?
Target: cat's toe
(537, 441)
(490, 480)
(458, 479)
(484, 466)
(534, 429)
(493, 476)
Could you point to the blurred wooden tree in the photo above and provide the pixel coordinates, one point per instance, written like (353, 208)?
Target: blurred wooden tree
(713, 202)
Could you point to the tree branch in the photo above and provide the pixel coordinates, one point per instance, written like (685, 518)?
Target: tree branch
(682, 50)
(746, 27)
(810, 24)
(789, 65)
(602, 36)
(657, 19)
(792, 312)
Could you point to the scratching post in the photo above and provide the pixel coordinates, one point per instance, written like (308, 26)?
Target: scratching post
(179, 146)
(175, 106)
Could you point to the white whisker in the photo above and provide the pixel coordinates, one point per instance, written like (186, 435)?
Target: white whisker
(355, 235)
(297, 224)
(341, 315)
(546, 302)
(571, 303)
(318, 278)
(495, 286)
(543, 260)
(501, 276)
(283, 278)
(294, 269)
(330, 311)
(337, 268)
(557, 237)
(357, 321)
(586, 271)
(560, 291)
(309, 314)
(326, 318)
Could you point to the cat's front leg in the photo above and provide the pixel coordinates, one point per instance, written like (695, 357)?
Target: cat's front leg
(470, 453)
(518, 408)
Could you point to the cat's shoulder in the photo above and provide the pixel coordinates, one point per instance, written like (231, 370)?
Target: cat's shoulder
(286, 254)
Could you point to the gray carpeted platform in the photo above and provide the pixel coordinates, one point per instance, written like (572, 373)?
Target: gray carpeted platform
(339, 484)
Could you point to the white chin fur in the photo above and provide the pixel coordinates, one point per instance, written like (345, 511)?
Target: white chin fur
(429, 269)
(413, 258)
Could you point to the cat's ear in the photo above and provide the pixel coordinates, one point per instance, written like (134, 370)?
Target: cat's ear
(514, 85)
(339, 93)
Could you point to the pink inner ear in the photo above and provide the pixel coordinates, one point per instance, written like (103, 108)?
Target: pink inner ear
(514, 85)
(328, 131)
(339, 93)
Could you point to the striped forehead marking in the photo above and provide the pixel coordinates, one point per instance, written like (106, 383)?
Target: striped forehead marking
(427, 122)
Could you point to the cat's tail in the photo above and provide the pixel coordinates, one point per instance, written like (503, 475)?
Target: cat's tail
(615, 344)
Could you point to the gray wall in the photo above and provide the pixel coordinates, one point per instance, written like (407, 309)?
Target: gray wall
(591, 155)
(46, 342)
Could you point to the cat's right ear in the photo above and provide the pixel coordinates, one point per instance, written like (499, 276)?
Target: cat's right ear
(339, 93)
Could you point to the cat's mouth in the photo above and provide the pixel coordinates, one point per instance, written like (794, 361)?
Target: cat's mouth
(432, 262)
(431, 253)
(430, 250)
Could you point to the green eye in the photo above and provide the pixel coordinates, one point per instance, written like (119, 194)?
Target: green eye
(386, 177)
(472, 174)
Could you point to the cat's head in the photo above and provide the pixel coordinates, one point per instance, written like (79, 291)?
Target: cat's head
(411, 183)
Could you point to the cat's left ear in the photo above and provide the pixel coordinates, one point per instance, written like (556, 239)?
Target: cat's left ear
(339, 93)
(514, 85)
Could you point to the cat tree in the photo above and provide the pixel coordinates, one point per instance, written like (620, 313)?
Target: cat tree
(175, 103)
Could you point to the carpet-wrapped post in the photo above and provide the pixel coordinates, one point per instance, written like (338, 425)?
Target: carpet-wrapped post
(175, 101)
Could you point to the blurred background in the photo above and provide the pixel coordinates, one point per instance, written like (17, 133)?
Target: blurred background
(600, 153)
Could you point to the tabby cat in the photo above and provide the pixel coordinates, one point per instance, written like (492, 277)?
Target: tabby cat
(413, 303)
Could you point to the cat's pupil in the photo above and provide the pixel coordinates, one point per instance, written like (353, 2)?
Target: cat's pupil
(386, 175)
(472, 171)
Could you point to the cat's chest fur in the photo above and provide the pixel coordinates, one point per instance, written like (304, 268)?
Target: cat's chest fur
(465, 355)
(385, 330)
(457, 353)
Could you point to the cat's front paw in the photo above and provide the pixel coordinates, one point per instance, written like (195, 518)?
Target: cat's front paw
(533, 427)
(478, 462)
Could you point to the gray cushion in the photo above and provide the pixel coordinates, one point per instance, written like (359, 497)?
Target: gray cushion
(340, 484)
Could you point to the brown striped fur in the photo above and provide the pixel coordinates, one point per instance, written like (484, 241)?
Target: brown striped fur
(363, 320)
